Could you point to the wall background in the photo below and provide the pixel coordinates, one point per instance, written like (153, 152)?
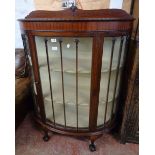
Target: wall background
(23, 7)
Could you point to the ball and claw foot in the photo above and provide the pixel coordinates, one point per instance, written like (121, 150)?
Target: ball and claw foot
(46, 137)
(92, 147)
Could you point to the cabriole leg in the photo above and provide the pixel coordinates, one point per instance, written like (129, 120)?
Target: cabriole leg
(46, 136)
(92, 147)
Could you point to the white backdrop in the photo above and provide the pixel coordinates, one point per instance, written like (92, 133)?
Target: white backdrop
(22, 8)
(116, 4)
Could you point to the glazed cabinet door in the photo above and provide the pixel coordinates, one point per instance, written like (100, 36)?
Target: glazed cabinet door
(113, 60)
(109, 55)
(65, 73)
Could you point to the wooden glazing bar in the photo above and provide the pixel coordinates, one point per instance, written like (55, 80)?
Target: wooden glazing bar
(109, 76)
(77, 41)
(117, 73)
(49, 74)
(62, 80)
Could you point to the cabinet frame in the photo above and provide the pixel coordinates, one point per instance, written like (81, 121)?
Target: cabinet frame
(98, 28)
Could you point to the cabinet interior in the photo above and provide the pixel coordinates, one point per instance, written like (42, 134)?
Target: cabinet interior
(76, 94)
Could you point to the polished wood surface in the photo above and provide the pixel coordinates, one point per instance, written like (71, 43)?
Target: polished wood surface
(95, 80)
(78, 21)
(69, 23)
(79, 15)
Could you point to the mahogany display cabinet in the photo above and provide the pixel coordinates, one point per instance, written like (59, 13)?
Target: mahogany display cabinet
(77, 59)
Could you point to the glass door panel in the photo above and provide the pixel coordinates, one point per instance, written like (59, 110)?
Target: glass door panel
(112, 63)
(65, 71)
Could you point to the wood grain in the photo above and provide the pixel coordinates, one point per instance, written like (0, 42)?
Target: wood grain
(68, 23)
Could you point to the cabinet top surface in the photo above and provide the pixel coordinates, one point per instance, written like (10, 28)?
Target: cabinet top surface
(74, 14)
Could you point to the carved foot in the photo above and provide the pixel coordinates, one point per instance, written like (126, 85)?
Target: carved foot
(92, 147)
(46, 137)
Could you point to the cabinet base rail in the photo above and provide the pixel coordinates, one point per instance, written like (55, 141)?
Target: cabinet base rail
(92, 136)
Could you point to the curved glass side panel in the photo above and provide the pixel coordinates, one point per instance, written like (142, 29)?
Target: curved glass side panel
(30, 73)
(112, 64)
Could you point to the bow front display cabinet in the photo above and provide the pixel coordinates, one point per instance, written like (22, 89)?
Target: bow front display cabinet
(77, 59)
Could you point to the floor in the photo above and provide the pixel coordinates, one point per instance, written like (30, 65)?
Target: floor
(29, 142)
